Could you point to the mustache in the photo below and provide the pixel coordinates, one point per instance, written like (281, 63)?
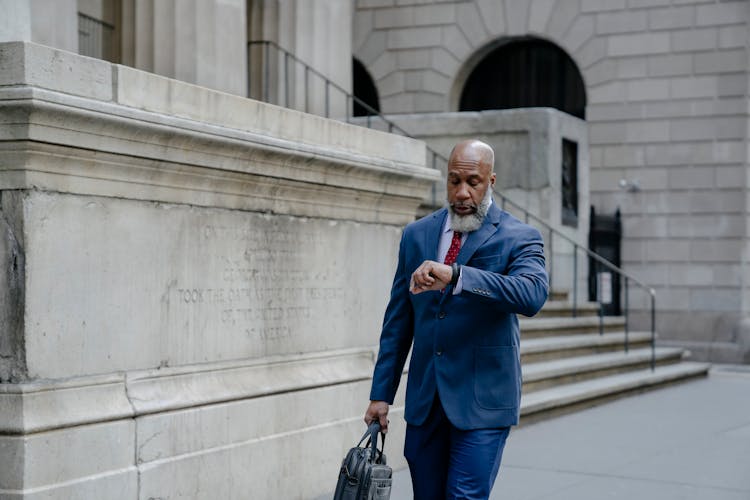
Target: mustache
(473, 206)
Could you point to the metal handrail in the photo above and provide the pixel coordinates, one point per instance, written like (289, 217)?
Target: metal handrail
(310, 70)
(601, 261)
(267, 45)
(504, 200)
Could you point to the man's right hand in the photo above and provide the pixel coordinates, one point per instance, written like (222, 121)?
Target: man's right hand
(378, 410)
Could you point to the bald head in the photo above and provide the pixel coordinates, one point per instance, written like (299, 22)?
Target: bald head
(476, 150)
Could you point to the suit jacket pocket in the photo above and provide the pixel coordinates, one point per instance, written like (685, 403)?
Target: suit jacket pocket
(496, 378)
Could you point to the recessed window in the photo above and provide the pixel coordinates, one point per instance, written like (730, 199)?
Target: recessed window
(525, 73)
(366, 100)
(569, 183)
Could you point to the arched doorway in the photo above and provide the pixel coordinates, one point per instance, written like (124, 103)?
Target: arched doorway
(364, 89)
(523, 73)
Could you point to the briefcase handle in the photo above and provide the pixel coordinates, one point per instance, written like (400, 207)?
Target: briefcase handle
(372, 432)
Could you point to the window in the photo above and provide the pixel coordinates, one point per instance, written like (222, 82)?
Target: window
(364, 91)
(524, 73)
(569, 183)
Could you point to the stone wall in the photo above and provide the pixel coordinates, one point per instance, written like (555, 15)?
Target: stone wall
(193, 284)
(667, 91)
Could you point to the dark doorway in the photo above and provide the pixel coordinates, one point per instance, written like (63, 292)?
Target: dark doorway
(364, 90)
(605, 239)
(524, 73)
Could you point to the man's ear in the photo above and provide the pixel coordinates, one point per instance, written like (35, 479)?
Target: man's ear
(492, 179)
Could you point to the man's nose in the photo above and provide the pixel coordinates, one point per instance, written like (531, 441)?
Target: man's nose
(462, 193)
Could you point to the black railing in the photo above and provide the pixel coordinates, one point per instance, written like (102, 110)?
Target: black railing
(267, 53)
(265, 56)
(95, 37)
(600, 262)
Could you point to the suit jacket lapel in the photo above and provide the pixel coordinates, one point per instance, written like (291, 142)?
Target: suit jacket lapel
(478, 237)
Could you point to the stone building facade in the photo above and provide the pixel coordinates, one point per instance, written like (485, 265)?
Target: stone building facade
(666, 83)
(666, 89)
(156, 147)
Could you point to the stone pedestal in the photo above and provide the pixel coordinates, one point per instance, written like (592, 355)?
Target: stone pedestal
(193, 284)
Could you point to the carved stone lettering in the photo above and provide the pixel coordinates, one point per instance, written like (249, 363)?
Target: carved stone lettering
(274, 284)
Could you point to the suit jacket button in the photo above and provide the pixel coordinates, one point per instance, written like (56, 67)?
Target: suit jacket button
(441, 314)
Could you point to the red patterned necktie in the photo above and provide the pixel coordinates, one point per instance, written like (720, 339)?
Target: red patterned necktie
(450, 257)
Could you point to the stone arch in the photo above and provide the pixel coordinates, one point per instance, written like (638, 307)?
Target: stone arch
(560, 22)
(446, 51)
(523, 72)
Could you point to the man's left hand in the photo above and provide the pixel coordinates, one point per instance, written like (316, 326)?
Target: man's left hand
(430, 275)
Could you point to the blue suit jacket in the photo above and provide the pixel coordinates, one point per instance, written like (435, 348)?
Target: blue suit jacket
(465, 346)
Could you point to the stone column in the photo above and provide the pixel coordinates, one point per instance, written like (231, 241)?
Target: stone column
(201, 42)
(317, 34)
(47, 22)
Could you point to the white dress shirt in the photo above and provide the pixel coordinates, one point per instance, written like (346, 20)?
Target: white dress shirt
(446, 236)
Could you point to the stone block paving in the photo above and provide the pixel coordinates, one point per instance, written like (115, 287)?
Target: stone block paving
(688, 442)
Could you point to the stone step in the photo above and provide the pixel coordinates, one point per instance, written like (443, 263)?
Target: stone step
(572, 397)
(545, 374)
(559, 294)
(567, 346)
(564, 308)
(553, 326)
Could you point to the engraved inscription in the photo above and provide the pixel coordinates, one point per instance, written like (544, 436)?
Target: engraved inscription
(266, 283)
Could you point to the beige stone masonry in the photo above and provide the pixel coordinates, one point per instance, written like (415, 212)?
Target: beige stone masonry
(659, 75)
(221, 139)
(174, 256)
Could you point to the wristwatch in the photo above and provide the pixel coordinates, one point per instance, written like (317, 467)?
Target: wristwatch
(456, 272)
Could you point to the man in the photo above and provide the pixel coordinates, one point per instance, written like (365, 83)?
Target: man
(463, 274)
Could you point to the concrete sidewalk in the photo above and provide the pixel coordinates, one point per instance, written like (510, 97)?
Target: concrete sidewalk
(687, 442)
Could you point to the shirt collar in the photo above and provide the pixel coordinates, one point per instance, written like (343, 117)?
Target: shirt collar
(447, 224)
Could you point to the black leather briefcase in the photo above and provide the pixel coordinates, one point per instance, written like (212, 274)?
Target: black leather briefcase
(364, 474)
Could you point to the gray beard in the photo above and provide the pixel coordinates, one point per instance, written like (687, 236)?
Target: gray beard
(471, 222)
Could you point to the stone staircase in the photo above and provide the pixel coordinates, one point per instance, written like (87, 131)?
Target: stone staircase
(568, 364)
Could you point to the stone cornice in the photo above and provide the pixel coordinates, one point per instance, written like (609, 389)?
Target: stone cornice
(196, 146)
(45, 405)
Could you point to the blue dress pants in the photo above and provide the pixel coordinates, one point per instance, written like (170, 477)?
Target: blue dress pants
(446, 462)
